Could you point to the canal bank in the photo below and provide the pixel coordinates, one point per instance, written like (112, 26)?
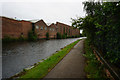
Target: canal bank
(42, 68)
(18, 56)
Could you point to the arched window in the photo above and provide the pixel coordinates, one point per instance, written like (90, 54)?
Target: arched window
(45, 28)
(41, 28)
(50, 29)
(37, 27)
(53, 29)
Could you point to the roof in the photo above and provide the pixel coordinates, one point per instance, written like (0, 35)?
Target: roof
(53, 25)
(10, 18)
(49, 24)
(14, 19)
(34, 21)
(63, 24)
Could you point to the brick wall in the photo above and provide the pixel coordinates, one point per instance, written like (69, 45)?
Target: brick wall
(26, 27)
(41, 29)
(63, 28)
(52, 31)
(71, 31)
(59, 27)
(14, 28)
(11, 28)
(77, 32)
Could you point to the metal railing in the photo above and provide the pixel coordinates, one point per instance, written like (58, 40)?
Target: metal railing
(107, 65)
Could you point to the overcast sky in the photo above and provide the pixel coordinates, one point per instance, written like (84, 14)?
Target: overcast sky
(50, 11)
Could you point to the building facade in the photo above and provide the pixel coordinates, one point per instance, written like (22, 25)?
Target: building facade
(52, 31)
(64, 29)
(41, 29)
(16, 28)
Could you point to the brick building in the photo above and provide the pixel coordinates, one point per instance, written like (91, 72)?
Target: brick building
(52, 31)
(26, 27)
(15, 28)
(59, 27)
(75, 32)
(41, 29)
(64, 29)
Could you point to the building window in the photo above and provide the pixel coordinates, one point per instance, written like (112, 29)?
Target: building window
(41, 28)
(45, 28)
(53, 29)
(50, 29)
(37, 27)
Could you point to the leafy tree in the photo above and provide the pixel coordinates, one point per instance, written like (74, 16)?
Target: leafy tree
(101, 26)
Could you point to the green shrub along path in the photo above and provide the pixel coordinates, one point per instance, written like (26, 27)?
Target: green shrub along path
(101, 26)
(42, 69)
(94, 68)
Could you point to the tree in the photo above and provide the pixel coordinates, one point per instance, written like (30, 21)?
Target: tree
(101, 26)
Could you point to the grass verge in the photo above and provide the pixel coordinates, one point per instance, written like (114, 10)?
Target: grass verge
(93, 68)
(42, 68)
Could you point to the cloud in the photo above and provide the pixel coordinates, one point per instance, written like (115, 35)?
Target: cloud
(50, 11)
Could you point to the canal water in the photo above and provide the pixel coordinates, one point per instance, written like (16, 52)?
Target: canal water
(20, 55)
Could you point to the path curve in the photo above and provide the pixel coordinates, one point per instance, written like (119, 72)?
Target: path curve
(72, 65)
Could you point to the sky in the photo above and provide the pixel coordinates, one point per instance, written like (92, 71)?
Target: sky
(51, 11)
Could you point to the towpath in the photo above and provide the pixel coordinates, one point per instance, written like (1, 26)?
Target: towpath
(72, 65)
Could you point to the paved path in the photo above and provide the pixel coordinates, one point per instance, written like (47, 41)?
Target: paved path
(72, 65)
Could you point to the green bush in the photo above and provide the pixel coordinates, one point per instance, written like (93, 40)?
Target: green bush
(59, 35)
(21, 38)
(64, 36)
(75, 36)
(69, 36)
(93, 68)
(47, 36)
(32, 36)
(8, 39)
(79, 36)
